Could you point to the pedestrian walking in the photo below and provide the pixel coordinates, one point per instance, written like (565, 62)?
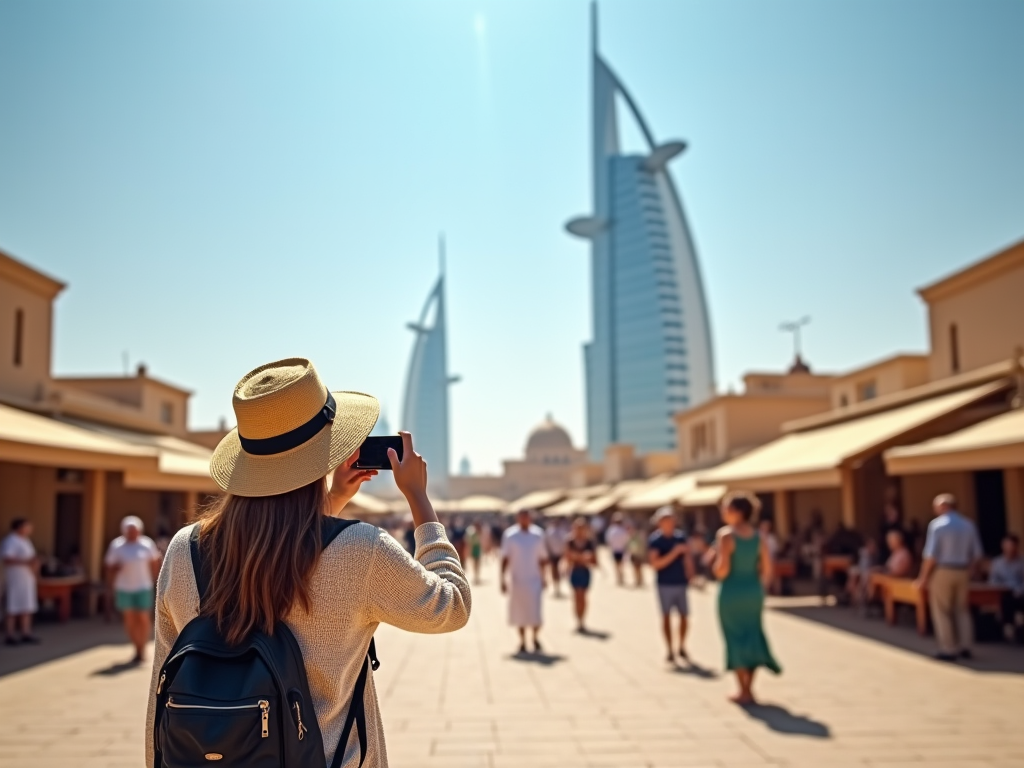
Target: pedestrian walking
(20, 568)
(133, 562)
(475, 549)
(555, 537)
(670, 558)
(744, 568)
(617, 538)
(580, 556)
(951, 550)
(273, 553)
(524, 558)
(637, 549)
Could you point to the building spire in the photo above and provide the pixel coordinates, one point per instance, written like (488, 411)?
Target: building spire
(440, 253)
(593, 27)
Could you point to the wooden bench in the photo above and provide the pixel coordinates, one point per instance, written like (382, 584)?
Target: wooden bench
(784, 569)
(833, 564)
(895, 589)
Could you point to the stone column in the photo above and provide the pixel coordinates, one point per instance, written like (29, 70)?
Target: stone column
(1013, 482)
(848, 496)
(191, 506)
(783, 514)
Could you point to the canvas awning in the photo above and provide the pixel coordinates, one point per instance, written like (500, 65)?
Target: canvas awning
(181, 465)
(537, 500)
(32, 438)
(574, 503)
(703, 496)
(812, 459)
(619, 491)
(995, 443)
(480, 504)
(365, 505)
(668, 492)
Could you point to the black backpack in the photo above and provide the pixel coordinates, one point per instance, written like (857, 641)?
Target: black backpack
(246, 705)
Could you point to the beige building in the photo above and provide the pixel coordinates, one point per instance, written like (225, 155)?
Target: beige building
(549, 460)
(907, 428)
(79, 453)
(732, 424)
(976, 316)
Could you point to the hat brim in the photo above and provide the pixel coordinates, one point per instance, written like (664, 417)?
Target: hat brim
(245, 474)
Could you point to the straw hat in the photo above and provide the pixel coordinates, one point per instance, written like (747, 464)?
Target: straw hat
(291, 430)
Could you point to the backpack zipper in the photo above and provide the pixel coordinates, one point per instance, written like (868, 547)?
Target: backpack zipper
(298, 715)
(160, 685)
(263, 705)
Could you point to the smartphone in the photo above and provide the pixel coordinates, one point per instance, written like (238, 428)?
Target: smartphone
(373, 454)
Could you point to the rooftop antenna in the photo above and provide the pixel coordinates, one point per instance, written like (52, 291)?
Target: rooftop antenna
(440, 251)
(124, 361)
(593, 26)
(794, 327)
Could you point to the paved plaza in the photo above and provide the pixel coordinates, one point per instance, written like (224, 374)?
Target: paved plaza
(845, 698)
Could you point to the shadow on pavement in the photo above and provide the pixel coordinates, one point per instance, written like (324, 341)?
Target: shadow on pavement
(988, 657)
(60, 640)
(695, 670)
(117, 668)
(596, 634)
(543, 659)
(782, 720)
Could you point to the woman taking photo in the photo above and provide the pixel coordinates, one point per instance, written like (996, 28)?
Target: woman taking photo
(290, 463)
(580, 556)
(743, 565)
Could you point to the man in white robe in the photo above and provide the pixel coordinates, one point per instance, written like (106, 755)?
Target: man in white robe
(20, 563)
(523, 557)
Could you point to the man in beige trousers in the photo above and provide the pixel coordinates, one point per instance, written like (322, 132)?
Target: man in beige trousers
(951, 549)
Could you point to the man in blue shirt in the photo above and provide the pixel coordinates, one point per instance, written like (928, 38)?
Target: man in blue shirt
(669, 555)
(951, 549)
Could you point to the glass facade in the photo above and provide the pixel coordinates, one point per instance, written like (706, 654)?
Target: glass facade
(425, 411)
(650, 355)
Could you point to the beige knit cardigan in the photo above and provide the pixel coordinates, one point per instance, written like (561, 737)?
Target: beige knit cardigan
(363, 578)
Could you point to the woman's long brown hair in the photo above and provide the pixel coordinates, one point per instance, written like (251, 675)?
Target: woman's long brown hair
(260, 552)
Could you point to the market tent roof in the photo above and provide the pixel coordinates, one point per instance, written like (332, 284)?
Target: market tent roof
(32, 438)
(812, 459)
(577, 498)
(181, 465)
(364, 504)
(618, 492)
(703, 496)
(537, 500)
(995, 443)
(480, 504)
(660, 494)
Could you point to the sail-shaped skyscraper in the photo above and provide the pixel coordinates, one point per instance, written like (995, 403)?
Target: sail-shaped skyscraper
(425, 409)
(650, 355)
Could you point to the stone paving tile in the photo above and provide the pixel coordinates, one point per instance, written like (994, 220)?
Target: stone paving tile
(465, 700)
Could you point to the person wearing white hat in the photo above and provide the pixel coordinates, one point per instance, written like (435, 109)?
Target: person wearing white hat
(290, 463)
(133, 562)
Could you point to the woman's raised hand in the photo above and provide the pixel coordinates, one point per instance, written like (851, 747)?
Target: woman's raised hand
(346, 481)
(411, 479)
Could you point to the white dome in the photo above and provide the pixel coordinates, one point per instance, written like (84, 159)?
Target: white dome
(548, 438)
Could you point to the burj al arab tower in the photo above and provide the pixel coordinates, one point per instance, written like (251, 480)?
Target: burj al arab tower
(650, 355)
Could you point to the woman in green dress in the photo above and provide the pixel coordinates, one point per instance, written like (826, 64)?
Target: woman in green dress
(743, 566)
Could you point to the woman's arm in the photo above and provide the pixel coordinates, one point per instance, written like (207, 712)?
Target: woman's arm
(428, 594)
(767, 566)
(723, 558)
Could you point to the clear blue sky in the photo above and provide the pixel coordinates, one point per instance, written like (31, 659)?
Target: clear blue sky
(225, 183)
